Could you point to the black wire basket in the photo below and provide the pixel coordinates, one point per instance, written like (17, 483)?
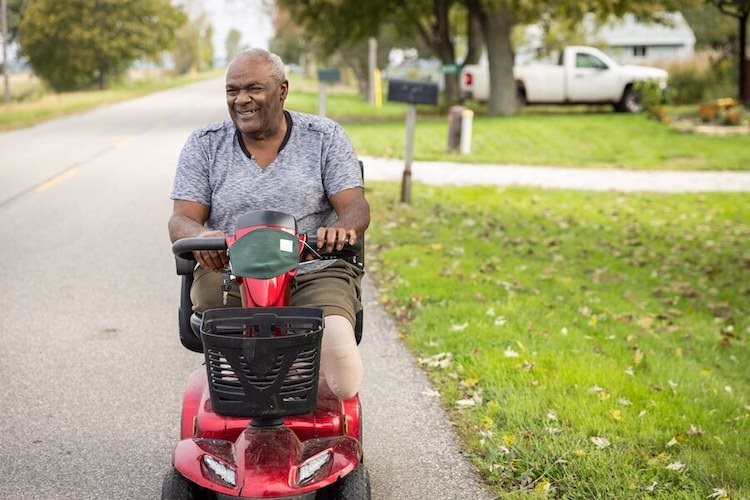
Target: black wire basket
(262, 362)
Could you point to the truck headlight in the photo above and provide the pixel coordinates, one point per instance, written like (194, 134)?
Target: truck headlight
(224, 471)
(312, 465)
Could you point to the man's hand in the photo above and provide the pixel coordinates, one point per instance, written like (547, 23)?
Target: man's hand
(335, 237)
(212, 259)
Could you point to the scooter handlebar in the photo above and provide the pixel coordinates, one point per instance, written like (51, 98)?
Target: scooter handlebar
(185, 247)
(345, 253)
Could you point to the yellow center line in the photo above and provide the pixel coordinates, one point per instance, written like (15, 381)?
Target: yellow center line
(125, 141)
(56, 180)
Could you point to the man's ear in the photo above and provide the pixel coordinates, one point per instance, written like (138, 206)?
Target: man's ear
(284, 90)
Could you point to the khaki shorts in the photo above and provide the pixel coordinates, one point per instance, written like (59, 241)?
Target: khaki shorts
(336, 290)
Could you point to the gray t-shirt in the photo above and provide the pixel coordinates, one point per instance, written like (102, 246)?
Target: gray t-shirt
(316, 162)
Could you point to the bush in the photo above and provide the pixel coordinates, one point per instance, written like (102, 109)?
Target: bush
(701, 78)
(653, 99)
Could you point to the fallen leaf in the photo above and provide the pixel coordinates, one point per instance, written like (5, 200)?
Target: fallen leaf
(671, 442)
(459, 328)
(510, 353)
(676, 466)
(719, 494)
(465, 403)
(600, 442)
(646, 322)
(638, 356)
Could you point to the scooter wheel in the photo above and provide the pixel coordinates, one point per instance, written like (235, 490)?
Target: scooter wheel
(176, 487)
(354, 486)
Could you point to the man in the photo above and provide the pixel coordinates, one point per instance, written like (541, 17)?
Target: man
(267, 158)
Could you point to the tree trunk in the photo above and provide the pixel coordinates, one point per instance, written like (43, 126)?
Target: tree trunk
(445, 49)
(473, 33)
(744, 84)
(496, 26)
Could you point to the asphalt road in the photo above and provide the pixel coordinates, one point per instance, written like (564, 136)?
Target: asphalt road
(91, 370)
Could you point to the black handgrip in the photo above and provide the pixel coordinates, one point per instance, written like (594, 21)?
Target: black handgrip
(186, 246)
(347, 252)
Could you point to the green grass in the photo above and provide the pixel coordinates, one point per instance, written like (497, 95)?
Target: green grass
(40, 106)
(579, 317)
(575, 140)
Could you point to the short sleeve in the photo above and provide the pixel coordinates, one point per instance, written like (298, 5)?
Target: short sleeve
(341, 168)
(191, 181)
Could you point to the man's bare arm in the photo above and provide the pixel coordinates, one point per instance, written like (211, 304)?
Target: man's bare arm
(353, 219)
(187, 221)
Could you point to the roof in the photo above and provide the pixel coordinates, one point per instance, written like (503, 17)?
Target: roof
(629, 31)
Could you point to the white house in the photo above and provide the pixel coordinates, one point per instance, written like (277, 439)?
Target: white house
(626, 40)
(631, 41)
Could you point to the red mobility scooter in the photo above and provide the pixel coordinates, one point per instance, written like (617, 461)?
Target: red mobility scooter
(255, 422)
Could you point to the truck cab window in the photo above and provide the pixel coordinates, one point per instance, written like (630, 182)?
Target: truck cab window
(589, 61)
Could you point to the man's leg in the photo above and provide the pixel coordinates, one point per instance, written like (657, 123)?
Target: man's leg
(335, 290)
(206, 291)
(339, 360)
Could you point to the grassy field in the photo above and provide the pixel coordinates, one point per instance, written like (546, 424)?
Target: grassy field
(36, 105)
(576, 140)
(589, 345)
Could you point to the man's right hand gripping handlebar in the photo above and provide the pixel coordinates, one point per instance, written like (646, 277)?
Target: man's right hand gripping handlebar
(215, 260)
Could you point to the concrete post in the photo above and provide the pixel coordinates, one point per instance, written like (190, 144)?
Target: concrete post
(467, 121)
(6, 70)
(372, 60)
(411, 121)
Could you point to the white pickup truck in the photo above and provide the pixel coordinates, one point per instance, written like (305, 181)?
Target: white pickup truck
(583, 75)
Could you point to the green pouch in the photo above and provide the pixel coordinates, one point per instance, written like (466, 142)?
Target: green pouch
(264, 253)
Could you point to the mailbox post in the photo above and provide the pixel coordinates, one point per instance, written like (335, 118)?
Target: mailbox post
(325, 77)
(412, 93)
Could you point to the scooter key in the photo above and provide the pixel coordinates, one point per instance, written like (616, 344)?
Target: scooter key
(225, 287)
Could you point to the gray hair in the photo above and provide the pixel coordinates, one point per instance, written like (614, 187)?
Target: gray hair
(278, 70)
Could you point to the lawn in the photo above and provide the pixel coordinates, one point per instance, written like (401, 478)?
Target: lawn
(574, 140)
(588, 345)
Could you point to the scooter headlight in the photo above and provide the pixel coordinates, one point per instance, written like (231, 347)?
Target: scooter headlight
(222, 470)
(312, 465)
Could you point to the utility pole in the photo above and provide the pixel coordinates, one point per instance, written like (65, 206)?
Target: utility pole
(6, 70)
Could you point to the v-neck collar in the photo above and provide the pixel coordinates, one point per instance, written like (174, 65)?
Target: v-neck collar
(289, 125)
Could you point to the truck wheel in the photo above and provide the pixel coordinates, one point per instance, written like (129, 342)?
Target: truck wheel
(354, 486)
(176, 487)
(520, 95)
(630, 102)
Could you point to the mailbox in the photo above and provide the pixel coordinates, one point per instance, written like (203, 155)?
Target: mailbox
(329, 75)
(412, 91)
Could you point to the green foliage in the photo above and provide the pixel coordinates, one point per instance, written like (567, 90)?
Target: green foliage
(653, 98)
(589, 345)
(15, 14)
(701, 78)
(194, 49)
(713, 30)
(233, 44)
(72, 45)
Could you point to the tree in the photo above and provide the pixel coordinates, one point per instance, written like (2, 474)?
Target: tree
(739, 9)
(233, 44)
(15, 13)
(72, 45)
(194, 50)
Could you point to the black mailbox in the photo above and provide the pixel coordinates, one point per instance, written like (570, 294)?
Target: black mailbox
(412, 91)
(329, 75)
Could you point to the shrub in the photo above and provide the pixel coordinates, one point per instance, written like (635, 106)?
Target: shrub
(701, 78)
(653, 99)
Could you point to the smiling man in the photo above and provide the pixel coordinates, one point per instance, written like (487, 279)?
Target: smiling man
(267, 158)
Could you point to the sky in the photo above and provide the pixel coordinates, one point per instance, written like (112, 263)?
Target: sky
(250, 17)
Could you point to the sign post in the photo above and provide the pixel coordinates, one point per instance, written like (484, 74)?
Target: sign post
(325, 77)
(412, 93)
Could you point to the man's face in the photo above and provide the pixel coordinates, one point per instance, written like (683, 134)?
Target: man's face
(254, 97)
